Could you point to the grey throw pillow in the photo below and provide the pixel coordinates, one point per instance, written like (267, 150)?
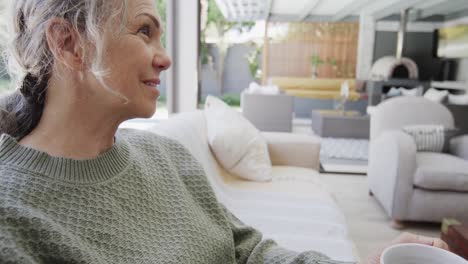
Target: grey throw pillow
(431, 138)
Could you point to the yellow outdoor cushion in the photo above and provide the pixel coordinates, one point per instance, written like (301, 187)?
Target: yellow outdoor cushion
(324, 95)
(286, 83)
(338, 113)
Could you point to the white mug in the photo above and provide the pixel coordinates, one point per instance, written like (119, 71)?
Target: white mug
(411, 253)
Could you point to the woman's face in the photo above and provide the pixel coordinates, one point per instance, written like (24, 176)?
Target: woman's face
(136, 58)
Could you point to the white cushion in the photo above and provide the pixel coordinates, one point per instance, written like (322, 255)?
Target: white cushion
(432, 138)
(459, 99)
(255, 88)
(237, 144)
(441, 172)
(417, 91)
(394, 92)
(436, 95)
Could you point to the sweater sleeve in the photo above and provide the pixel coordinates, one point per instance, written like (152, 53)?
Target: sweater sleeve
(251, 248)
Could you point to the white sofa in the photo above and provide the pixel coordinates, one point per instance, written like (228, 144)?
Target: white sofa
(295, 209)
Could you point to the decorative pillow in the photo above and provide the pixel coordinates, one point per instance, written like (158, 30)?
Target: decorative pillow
(394, 92)
(436, 95)
(459, 99)
(236, 143)
(431, 138)
(416, 91)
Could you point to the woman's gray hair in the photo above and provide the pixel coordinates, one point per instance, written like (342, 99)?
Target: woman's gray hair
(30, 60)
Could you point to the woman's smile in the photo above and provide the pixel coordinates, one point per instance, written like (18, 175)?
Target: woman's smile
(153, 86)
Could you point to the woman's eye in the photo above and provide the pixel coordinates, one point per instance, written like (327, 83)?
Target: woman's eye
(146, 30)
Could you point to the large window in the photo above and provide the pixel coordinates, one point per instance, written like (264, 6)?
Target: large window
(229, 55)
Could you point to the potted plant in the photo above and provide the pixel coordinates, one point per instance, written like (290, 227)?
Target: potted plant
(315, 62)
(254, 65)
(333, 63)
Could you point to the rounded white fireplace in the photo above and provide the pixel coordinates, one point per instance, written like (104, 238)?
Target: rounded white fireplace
(390, 67)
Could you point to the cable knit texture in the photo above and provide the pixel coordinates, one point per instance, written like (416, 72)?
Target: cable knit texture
(146, 200)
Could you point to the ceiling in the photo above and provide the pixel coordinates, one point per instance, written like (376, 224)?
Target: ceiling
(339, 10)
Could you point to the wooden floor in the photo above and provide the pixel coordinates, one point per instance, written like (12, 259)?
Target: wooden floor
(368, 225)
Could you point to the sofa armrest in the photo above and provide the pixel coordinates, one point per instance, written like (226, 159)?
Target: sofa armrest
(392, 165)
(298, 150)
(459, 146)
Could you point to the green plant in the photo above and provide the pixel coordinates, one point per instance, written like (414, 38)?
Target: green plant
(161, 6)
(204, 54)
(254, 64)
(231, 99)
(215, 18)
(316, 61)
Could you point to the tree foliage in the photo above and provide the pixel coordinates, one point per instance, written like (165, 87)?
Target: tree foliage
(254, 64)
(161, 6)
(216, 18)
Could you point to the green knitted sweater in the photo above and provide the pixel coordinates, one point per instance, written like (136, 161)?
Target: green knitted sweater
(146, 200)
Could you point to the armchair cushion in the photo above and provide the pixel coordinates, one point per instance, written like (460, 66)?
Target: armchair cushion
(441, 172)
(459, 146)
(433, 138)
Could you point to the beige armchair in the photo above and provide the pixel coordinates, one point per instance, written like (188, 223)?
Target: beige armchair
(411, 185)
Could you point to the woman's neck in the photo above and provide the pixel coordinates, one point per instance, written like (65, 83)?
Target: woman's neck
(74, 127)
(75, 137)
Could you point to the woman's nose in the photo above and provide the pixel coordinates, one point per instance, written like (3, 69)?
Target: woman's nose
(161, 61)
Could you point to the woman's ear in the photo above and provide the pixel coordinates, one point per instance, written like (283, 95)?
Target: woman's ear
(65, 43)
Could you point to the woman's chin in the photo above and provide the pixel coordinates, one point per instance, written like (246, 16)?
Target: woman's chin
(150, 113)
(147, 111)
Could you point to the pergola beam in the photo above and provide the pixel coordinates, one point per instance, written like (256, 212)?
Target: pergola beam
(350, 8)
(441, 8)
(395, 8)
(240, 6)
(309, 18)
(245, 10)
(308, 9)
(268, 6)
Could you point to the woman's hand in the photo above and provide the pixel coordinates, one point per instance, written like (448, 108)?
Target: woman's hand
(407, 238)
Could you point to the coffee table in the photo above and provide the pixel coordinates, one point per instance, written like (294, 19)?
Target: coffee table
(349, 124)
(455, 234)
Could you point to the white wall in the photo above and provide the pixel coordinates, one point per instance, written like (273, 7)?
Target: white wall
(182, 46)
(365, 46)
(462, 73)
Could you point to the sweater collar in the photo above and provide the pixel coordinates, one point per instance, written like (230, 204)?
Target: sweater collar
(101, 168)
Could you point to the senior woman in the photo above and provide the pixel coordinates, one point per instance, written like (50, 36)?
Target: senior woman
(74, 188)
